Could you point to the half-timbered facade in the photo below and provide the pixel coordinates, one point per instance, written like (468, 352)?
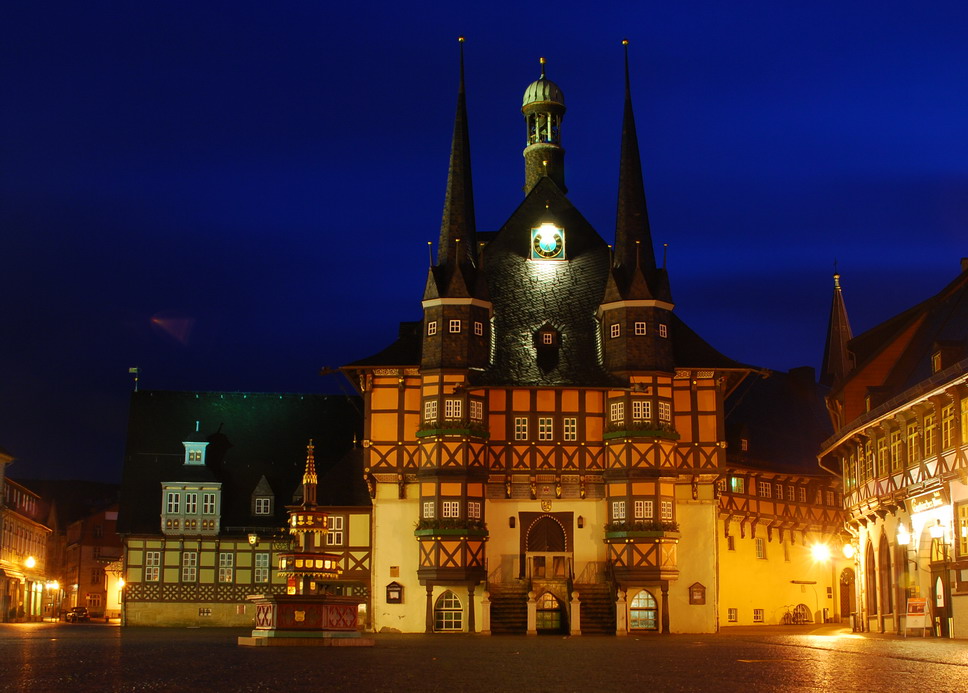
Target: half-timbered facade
(545, 448)
(899, 404)
(207, 480)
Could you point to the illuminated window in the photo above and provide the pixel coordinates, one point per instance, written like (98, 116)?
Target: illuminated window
(191, 503)
(152, 566)
(791, 493)
(639, 329)
(665, 412)
(803, 494)
(478, 328)
(208, 503)
(744, 444)
(172, 502)
(431, 328)
(663, 330)
(334, 534)
(643, 510)
(430, 410)
(760, 547)
(641, 409)
(737, 484)
(665, 508)
(477, 410)
(962, 526)
(830, 498)
(474, 510)
(615, 330)
(428, 510)
(936, 362)
(454, 326)
(226, 566)
(547, 338)
(618, 510)
(643, 612)
(545, 428)
(452, 409)
(947, 426)
(912, 444)
(448, 613)
(882, 458)
(763, 489)
(262, 567)
(616, 412)
(189, 566)
(779, 491)
(929, 431)
(964, 420)
(895, 450)
(263, 505)
(520, 428)
(570, 428)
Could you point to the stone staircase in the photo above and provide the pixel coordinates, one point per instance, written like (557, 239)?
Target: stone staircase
(509, 607)
(597, 609)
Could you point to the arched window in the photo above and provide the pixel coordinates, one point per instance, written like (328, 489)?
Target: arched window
(870, 579)
(643, 612)
(448, 613)
(884, 573)
(549, 618)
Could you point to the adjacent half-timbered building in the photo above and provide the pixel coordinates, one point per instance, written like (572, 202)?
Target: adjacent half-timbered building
(207, 478)
(899, 404)
(546, 449)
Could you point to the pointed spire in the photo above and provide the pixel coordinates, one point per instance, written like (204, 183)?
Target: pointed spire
(458, 218)
(632, 216)
(309, 478)
(836, 360)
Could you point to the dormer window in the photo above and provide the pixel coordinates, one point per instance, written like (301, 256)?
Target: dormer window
(262, 498)
(936, 362)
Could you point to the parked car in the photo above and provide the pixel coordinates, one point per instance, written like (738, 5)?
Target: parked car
(77, 614)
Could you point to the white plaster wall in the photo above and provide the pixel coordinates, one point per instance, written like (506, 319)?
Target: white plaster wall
(697, 561)
(395, 545)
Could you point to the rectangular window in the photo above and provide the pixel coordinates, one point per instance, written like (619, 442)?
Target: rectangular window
(964, 420)
(97, 576)
(452, 409)
(430, 410)
(913, 454)
(641, 410)
(830, 498)
(763, 489)
(261, 567)
(663, 330)
(791, 493)
(474, 510)
(929, 438)
(802, 492)
(450, 509)
(962, 525)
(547, 338)
(94, 600)
(208, 503)
(757, 615)
(334, 534)
(191, 503)
(618, 510)
(545, 428)
(478, 328)
(454, 326)
(760, 547)
(172, 502)
(779, 491)
(616, 412)
(732, 615)
(665, 508)
(428, 510)
(189, 567)
(639, 329)
(431, 328)
(570, 428)
(520, 428)
(665, 412)
(895, 450)
(226, 566)
(644, 510)
(477, 410)
(882, 459)
(262, 505)
(615, 330)
(737, 484)
(152, 565)
(947, 426)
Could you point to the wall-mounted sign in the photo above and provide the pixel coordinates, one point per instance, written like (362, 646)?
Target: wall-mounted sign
(927, 501)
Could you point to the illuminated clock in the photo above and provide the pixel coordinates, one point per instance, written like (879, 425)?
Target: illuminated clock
(548, 242)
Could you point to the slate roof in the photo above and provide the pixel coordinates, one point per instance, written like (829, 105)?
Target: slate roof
(250, 435)
(784, 419)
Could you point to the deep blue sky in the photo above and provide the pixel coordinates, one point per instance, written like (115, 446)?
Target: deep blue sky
(233, 194)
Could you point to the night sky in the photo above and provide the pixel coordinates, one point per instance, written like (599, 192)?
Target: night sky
(231, 195)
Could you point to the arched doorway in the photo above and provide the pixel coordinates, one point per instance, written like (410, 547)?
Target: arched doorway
(870, 581)
(550, 615)
(940, 606)
(848, 604)
(448, 613)
(643, 612)
(884, 577)
(546, 549)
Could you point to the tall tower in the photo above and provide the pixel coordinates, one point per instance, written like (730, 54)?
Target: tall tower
(544, 109)
(836, 360)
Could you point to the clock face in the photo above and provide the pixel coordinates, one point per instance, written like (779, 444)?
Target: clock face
(548, 242)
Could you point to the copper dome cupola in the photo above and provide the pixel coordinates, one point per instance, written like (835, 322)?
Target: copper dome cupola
(543, 107)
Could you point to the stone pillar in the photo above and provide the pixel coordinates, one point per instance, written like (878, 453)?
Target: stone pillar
(532, 614)
(665, 607)
(471, 625)
(486, 613)
(429, 621)
(621, 614)
(575, 614)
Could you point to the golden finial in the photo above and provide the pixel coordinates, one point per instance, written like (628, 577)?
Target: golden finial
(625, 42)
(542, 61)
(460, 39)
